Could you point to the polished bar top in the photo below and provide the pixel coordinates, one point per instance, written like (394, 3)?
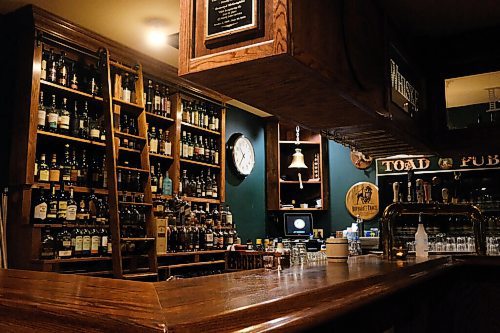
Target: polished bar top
(258, 300)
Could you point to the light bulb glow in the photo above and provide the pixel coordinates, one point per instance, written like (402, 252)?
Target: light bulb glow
(156, 37)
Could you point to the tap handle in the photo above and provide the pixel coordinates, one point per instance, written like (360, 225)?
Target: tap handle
(419, 185)
(445, 193)
(395, 192)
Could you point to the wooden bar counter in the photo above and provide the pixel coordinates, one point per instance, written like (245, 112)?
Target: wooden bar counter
(297, 299)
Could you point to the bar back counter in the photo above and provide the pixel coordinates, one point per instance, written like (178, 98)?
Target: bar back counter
(446, 294)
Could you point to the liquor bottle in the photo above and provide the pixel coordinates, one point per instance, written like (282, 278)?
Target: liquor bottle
(71, 208)
(82, 215)
(215, 189)
(216, 154)
(92, 206)
(421, 240)
(95, 129)
(40, 208)
(73, 83)
(167, 143)
(185, 147)
(83, 170)
(52, 205)
(209, 238)
(83, 122)
(157, 100)
(223, 215)
(103, 248)
(167, 103)
(43, 67)
(86, 241)
(54, 171)
(104, 173)
(411, 187)
(201, 149)
(229, 217)
(216, 121)
(161, 144)
(198, 187)
(47, 248)
(64, 244)
(133, 97)
(74, 125)
(75, 170)
(196, 148)
(207, 150)
(52, 66)
(183, 184)
(64, 118)
(203, 193)
(126, 93)
(124, 124)
(66, 166)
(190, 147)
(95, 242)
(153, 141)
(185, 112)
(42, 113)
(43, 170)
(62, 204)
(62, 77)
(52, 116)
(78, 243)
(95, 172)
(230, 237)
(159, 177)
(93, 87)
(154, 181)
(102, 135)
(133, 128)
(167, 185)
(149, 96)
(209, 185)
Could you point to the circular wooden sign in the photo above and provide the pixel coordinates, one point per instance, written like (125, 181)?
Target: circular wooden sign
(362, 200)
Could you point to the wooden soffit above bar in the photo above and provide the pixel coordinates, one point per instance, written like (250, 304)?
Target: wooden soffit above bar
(321, 64)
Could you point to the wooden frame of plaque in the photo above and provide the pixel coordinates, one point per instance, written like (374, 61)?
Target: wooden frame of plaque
(229, 30)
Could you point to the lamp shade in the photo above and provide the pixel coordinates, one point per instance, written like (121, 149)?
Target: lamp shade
(297, 160)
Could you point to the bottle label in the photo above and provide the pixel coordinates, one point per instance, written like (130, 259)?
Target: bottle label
(153, 146)
(95, 133)
(66, 175)
(74, 175)
(190, 151)
(104, 241)
(86, 243)
(209, 238)
(110, 247)
(78, 243)
(157, 102)
(41, 211)
(66, 243)
(71, 213)
(230, 240)
(43, 175)
(126, 95)
(64, 253)
(64, 122)
(53, 120)
(41, 117)
(154, 188)
(185, 150)
(216, 157)
(54, 175)
(229, 219)
(168, 148)
(43, 72)
(95, 245)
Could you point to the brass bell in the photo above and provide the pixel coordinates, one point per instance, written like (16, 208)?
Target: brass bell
(298, 163)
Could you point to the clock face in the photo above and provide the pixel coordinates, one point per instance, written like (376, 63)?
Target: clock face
(299, 223)
(243, 155)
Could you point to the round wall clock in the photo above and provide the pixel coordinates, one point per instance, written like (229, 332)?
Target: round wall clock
(242, 154)
(360, 161)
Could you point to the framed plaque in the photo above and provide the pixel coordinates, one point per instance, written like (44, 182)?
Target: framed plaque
(230, 21)
(362, 200)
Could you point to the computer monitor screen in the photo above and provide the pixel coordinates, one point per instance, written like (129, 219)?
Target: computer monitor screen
(298, 225)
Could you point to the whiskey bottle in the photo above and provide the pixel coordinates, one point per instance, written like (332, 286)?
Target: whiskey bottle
(47, 248)
(52, 116)
(74, 124)
(75, 170)
(64, 118)
(42, 113)
(209, 238)
(71, 208)
(62, 77)
(168, 144)
(183, 186)
(95, 173)
(52, 205)
(52, 66)
(103, 248)
(209, 185)
(229, 217)
(157, 101)
(126, 93)
(215, 189)
(43, 67)
(190, 147)
(95, 129)
(185, 147)
(40, 208)
(73, 83)
(159, 177)
(62, 204)
(66, 166)
(153, 141)
(154, 181)
(93, 87)
(43, 170)
(86, 241)
(149, 96)
(83, 170)
(82, 215)
(167, 103)
(83, 122)
(78, 243)
(54, 171)
(95, 242)
(64, 244)
(161, 142)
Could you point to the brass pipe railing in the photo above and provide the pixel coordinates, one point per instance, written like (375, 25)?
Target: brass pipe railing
(433, 209)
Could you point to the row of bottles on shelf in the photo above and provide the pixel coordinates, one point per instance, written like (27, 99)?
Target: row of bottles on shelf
(161, 183)
(130, 180)
(132, 221)
(68, 73)
(127, 90)
(77, 122)
(200, 114)
(60, 207)
(82, 241)
(159, 141)
(157, 99)
(203, 185)
(198, 148)
(72, 171)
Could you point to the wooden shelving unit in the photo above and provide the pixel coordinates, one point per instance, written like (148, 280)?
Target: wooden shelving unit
(282, 183)
(110, 59)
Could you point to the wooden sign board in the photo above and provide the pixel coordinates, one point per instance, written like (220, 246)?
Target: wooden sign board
(227, 21)
(362, 200)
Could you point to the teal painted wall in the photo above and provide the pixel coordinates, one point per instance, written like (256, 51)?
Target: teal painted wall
(342, 176)
(246, 197)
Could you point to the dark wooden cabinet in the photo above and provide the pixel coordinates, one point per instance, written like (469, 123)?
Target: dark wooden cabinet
(283, 186)
(35, 30)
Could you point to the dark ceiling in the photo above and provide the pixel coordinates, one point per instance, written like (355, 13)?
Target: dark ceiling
(440, 18)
